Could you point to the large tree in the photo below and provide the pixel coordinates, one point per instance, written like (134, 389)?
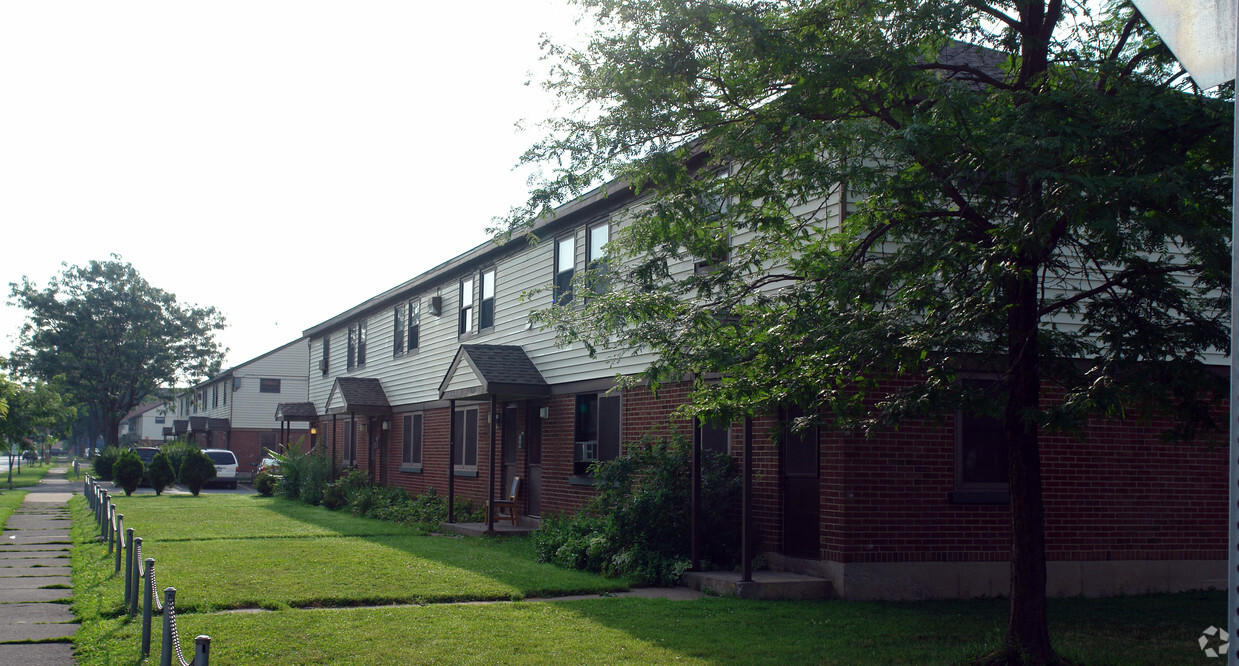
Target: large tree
(1031, 190)
(112, 340)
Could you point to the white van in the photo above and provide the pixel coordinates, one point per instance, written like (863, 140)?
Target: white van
(225, 466)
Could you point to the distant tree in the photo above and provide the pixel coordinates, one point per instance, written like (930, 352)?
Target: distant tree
(112, 338)
(1029, 191)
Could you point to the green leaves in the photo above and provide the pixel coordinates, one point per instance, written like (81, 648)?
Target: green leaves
(111, 338)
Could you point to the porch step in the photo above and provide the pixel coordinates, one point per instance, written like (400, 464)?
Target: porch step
(765, 585)
(479, 529)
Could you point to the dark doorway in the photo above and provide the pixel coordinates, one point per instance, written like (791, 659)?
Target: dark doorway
(511, 435)
(801, 491)
(532, 486)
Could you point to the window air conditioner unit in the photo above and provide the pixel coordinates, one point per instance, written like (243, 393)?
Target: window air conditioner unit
(322, 365)
(436, 305)
(587, 451)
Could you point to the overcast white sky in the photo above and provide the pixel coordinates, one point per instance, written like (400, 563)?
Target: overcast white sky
(279, 160)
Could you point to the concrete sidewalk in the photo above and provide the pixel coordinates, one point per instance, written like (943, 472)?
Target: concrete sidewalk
(34, 576)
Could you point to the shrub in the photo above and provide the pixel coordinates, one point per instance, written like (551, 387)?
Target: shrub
(105, 460)
(177, 450)
(160, 473)
(335, 494)
(266, 484)
(315, 475)
(127, 471)
(196, 471)
(637, 526)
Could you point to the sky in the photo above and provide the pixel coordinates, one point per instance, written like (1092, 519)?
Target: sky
(279, 160)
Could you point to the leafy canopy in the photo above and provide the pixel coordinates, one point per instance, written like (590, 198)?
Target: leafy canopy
(112, 339)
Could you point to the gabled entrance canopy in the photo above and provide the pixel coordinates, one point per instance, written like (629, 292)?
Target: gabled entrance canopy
(296, 411)
(357, 395)
(481, 371)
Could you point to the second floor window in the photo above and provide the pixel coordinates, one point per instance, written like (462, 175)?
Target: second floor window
(214, 396)
(398, 332)
(466, 306)
(565, 266)
(486, 308)
(268, 386)
(357, 345)
(324, 365)
(596, 256)
(415, 323)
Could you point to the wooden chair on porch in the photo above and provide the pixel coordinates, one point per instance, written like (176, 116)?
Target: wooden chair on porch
(499, 505)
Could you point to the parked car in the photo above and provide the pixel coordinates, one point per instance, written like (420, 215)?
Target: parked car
(225, 466)
(270, 466)
(147, 454)
(29, 456)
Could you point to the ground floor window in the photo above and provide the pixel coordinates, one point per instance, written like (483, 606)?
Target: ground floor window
(596, 430)
(466, 428)
(411, 443)
(981, 449)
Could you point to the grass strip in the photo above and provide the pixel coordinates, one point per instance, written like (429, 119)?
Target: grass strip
(29, 476)
(9, 500)
(189, 518)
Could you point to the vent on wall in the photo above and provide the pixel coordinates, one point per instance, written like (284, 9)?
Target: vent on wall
(436, 305)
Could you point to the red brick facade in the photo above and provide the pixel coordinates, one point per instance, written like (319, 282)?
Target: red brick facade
(1120, 494)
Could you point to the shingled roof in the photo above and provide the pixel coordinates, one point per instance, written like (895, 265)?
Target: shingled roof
(359, 395)
(496, 370)
(295, 411)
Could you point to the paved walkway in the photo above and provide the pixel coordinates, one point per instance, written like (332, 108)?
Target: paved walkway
(34, 576)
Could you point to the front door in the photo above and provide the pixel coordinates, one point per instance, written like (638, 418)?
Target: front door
(801, 491)
(511, 435)
(532, 489)
(373, 455)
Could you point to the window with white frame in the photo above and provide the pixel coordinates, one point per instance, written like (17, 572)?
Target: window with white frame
(398, 320)
(415, 323)
(357, 345)
(324, 364)
(466, 306)
(565, 267)
(486, 306)
(598, 236)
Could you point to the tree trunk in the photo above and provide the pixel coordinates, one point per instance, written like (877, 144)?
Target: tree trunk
(1028, 638)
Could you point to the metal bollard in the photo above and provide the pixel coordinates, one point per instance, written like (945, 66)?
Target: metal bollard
(120, 525)
(128, 565)
(105, 503)
(111, 529)
(169, 609)
(147, 607)
(202, 651)
(137, 576)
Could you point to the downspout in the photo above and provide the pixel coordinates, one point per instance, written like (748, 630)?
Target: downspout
(451, 461)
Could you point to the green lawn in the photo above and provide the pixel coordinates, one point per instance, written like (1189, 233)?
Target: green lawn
(309, 557)
(30, 475)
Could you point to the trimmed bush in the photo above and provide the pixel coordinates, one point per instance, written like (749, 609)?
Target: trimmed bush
(160, 472)
(335, 495)
(105, 460)
(266, 484)
(127, 471)
(176, 451)
(196, 471)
